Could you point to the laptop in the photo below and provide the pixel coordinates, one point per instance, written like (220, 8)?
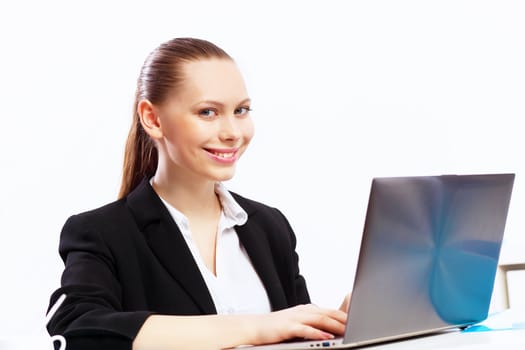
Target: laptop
(428, 258)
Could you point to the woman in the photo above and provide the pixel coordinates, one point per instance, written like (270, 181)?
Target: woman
(178, 261)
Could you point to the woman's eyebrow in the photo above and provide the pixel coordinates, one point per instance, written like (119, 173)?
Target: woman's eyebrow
(220, 104)
(246, 100)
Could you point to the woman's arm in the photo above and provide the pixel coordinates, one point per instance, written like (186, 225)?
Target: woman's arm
(225, 331)
(98, 250)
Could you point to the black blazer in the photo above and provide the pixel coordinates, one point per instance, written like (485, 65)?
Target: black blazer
(128, 260)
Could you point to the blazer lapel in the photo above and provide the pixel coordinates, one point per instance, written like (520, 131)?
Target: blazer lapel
(168, 245)
(258, 248)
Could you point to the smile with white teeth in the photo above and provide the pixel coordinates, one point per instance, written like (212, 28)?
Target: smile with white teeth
(223, 155)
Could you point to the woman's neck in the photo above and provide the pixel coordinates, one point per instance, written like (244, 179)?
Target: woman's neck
(189, 195)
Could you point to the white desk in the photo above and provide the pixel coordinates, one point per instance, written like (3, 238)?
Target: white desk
(494, 340)
(508, 333)
(503, 331)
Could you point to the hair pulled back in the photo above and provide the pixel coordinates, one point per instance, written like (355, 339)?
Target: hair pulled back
(159, 77)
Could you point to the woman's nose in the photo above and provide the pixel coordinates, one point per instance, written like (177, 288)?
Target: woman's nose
(230, 129)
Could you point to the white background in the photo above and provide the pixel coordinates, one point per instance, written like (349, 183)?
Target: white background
(342, 90)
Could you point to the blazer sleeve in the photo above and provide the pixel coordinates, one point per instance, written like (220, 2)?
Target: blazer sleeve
(300, 290)
(91, 316)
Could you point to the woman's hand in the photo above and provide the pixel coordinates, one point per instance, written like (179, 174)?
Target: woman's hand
(346, 303)
(303, 321)
(227, 331)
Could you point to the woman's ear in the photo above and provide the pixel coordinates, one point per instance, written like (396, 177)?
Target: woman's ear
(149, 119)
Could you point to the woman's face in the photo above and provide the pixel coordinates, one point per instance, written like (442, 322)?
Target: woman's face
(206, 124)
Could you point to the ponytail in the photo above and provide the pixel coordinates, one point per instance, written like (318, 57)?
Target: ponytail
(140, 158)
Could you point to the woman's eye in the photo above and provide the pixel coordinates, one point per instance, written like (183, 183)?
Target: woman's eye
(242, 110)
(207, 113)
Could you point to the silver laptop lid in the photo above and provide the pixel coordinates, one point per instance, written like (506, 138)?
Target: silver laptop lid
(429, 254)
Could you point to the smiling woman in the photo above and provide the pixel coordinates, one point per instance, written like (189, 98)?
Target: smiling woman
(178, 255)
(204, 128)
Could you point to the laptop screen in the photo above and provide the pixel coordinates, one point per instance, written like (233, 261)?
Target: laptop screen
(429, 254)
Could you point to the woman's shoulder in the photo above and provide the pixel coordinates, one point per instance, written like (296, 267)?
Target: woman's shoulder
(260, 211)
(251, 205)
(108, 214)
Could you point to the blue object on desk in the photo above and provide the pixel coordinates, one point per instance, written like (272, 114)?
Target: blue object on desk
(502, 321)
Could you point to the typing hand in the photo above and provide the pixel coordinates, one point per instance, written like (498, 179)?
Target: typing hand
(346, 303)
(303, 321)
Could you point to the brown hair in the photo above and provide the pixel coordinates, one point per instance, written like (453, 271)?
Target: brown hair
(160, 75)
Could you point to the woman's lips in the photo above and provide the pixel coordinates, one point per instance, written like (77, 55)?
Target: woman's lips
(226, 156)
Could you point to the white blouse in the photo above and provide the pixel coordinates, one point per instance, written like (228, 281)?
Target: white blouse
(236, 289)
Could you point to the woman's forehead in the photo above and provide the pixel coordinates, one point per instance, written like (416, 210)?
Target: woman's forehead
(212, 79)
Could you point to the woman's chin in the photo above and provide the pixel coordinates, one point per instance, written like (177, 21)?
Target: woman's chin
(224, 175)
